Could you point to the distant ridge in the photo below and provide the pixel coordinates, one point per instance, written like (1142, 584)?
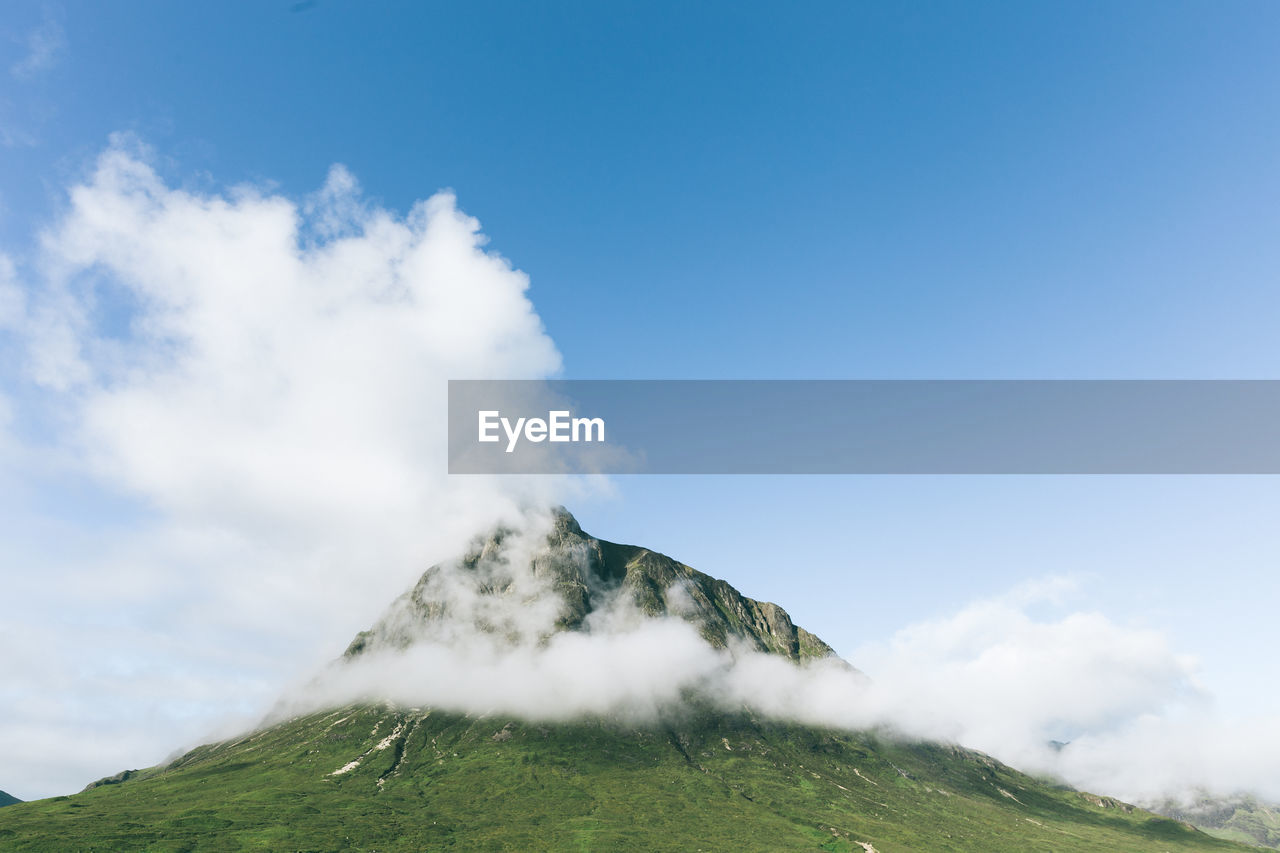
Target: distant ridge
(8, 799)
(1242, 817)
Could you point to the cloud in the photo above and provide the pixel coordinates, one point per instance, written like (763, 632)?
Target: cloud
(263, 371)
(491, 643)
(12, 300)
(233, 411)
(997, 678)
(45, 45)
(1013, 674)
(1131, 719)
(1179, 753)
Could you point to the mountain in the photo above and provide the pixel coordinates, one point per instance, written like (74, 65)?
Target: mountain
(583, 574)
(368, 775)
(1241, 818)
(8, 799)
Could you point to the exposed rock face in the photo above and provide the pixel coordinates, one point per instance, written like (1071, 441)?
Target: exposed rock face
(569, 576)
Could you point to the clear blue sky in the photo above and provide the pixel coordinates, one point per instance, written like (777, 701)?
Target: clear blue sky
(843, 190)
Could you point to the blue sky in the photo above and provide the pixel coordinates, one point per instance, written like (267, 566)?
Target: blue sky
(716, 190)
(870, 190)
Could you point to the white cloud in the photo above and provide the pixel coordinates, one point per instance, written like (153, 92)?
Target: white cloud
(1178, 753)
(240, 401)
(263, 382)
(1011, 674)
(1007, 682)
(13, 307)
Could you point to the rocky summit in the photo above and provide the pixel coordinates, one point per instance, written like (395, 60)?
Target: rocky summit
(581, 573)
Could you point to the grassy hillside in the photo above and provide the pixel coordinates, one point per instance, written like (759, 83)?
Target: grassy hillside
(1241, 818)
(378, 779)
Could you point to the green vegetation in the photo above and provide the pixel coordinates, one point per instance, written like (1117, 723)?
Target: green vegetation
(1239, 818)
(8, 799)
(434, 781)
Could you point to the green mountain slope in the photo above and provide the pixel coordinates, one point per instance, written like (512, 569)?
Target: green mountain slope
(373, 777)
(1240, 818)
(8, 799)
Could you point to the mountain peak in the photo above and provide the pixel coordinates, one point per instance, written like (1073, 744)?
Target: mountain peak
(526, 584)
(375, 772)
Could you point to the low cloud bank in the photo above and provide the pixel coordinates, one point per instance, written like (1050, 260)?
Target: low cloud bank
(1106, 707)
(1046, 688)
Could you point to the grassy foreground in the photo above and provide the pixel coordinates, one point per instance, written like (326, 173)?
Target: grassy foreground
(379, 779)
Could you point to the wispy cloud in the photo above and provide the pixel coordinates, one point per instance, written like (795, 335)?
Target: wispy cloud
(45, 46)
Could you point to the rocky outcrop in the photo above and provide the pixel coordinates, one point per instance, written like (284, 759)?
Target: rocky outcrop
(122, 776)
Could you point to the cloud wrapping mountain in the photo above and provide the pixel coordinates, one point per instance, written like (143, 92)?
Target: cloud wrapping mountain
(504, 632)
(251, 388)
